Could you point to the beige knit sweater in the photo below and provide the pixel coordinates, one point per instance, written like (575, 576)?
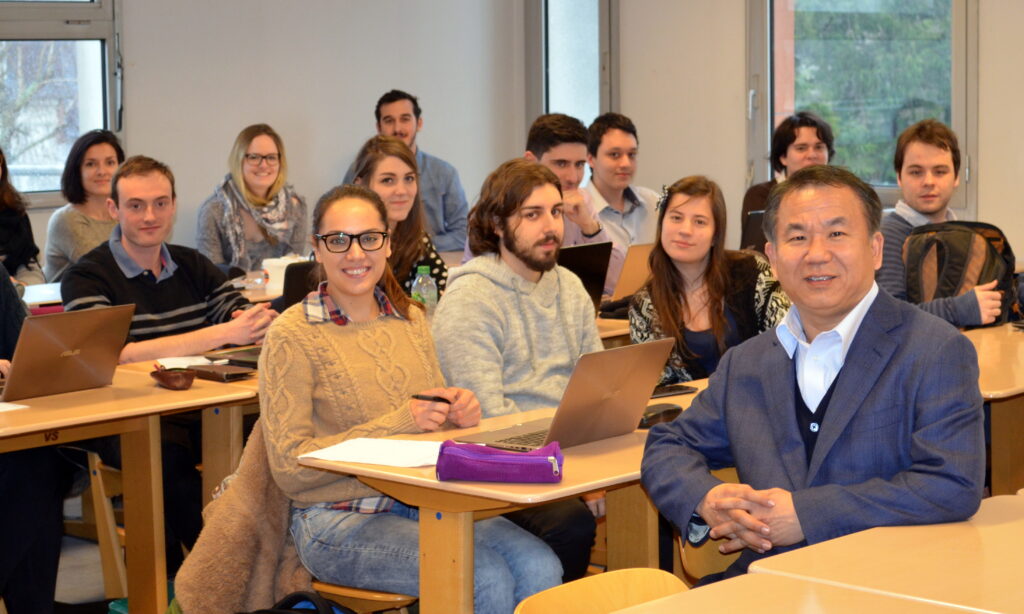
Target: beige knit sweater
(321, 383)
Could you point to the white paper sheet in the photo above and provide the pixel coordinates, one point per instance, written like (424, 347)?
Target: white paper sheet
(180, 362)
(13, 406)
(390, 452)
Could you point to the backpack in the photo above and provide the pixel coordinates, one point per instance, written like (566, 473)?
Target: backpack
(305, 603)
(950, 258)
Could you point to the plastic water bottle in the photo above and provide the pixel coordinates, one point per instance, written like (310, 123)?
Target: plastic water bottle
(424, 289)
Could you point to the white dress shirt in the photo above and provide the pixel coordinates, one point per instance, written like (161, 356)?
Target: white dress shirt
(818, 362)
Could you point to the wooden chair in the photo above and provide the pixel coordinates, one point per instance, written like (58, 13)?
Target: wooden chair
(99, 522)
(604, 592)
(699, 561)
(361, 600)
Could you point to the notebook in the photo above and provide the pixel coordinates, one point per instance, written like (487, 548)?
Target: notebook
(605, 397)
(67, 351)
(634, 271)
(589, 262)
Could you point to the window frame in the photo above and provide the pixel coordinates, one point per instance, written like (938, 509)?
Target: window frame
(95, 20)
(964, 99)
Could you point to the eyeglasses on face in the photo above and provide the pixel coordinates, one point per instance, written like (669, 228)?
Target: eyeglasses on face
(254, 159)
(340, 242)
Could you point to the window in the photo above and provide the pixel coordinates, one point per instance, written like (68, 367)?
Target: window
(569, 43)
(868, 67)
(57, 62)
(573, 75)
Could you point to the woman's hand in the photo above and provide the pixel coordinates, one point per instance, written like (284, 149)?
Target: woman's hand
(465, 408)
(430, 415)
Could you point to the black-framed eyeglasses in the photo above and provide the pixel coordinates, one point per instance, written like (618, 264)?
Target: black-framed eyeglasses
(254, 159)
(340, 242)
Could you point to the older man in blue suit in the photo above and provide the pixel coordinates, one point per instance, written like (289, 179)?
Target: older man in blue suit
(857, 411)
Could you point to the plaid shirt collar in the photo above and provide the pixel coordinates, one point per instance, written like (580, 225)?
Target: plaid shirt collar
(319, 307)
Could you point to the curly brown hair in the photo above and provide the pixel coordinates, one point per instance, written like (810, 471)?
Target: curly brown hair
(503, 192)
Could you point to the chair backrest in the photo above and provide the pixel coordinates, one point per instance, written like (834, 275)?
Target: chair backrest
(298, 282)
(752, 236)
(603, 592)
(699, 561)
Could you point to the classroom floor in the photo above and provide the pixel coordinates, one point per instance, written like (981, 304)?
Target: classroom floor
(80, 579)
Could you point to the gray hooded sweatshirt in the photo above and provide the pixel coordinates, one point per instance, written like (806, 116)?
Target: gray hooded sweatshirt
(511, 341)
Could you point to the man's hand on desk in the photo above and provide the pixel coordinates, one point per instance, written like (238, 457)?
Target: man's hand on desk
(990, 301)
(248, 326)
(748, 518)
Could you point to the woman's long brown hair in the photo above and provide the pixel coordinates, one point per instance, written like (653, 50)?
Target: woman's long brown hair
(665, 285)
(407, 239)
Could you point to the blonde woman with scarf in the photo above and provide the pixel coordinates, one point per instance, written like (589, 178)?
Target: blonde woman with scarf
(253, 213)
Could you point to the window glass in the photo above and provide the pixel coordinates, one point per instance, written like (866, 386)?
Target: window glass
(869, 67)
(51, 91)
(573, 75)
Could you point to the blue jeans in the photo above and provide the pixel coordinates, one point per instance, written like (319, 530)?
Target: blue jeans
(381, 552)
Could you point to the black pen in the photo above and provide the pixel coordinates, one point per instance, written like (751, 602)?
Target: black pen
(428, 397)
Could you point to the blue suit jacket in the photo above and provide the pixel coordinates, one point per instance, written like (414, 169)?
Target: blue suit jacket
(902, 442)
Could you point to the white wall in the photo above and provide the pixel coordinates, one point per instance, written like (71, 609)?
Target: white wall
(1000, 132)
(197, 72)
(682, 69)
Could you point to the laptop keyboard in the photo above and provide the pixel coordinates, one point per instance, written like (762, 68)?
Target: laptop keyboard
(533, 440)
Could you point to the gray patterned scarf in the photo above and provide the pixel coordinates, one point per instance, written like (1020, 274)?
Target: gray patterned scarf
(272, 218)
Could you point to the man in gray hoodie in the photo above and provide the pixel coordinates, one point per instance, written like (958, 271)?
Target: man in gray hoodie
(512, 325)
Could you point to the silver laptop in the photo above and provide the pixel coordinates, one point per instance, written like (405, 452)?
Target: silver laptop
(634, 271)
(606, 395)
(72, 350)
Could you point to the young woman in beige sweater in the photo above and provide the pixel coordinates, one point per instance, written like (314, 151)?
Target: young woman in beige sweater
(345, 363)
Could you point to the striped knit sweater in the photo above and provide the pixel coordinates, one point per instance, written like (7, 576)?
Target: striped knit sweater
(196, 295)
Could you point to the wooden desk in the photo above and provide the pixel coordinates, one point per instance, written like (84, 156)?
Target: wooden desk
(448, 509)
(260, 294)
(1001, 363)
(129, 408)
(975, 565)
(614, 333)
(222, 440)
(767, 594)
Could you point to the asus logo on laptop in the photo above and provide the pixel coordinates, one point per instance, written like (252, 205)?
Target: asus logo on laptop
(70, 353)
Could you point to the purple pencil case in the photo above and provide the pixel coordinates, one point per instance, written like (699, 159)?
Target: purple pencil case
(468, 461)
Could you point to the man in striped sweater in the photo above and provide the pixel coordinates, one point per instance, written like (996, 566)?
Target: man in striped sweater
(927, 165)
(184, 305)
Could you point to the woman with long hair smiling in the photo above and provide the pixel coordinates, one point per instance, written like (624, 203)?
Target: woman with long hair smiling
(387, 166)
(353, 354)
(706, 297)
